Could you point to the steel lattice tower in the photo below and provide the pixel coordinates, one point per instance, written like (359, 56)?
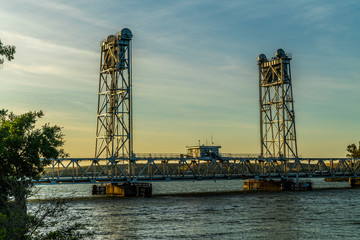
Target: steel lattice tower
(114, 133)
(277, 116)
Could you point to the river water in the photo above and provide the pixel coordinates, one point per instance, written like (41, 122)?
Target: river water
(216, 210)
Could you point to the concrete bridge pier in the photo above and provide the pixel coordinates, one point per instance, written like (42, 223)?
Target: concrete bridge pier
(123, 189)
(354, 182)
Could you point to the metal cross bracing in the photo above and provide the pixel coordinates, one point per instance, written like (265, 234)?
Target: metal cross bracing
(277, 116)
(114, 111)
(115, 162)
(115, 170)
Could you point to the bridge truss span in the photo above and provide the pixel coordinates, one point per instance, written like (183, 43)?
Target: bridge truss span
(115, 170)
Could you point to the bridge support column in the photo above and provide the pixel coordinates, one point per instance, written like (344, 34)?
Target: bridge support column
(123, 189)
(129, 189)
(354, 182)
(277, 185)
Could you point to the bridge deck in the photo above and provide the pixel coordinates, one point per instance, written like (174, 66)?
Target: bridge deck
(148, 169)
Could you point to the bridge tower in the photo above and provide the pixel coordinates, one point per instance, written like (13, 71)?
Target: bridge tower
(277, 116)
(114, 131)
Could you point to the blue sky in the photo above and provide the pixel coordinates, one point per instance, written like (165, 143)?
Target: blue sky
(194, 69)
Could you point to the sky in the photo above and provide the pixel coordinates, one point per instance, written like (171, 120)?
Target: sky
(195, 73)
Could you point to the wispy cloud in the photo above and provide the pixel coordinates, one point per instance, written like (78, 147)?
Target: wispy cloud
(71, 12)
(40, 45)
(43, 58)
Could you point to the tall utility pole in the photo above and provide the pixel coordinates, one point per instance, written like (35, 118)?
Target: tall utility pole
(277, 116)
(114, 130)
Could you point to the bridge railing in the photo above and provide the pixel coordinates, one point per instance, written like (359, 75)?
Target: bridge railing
(240, 155)
(182, 155)
(170, 168)
(159, 155)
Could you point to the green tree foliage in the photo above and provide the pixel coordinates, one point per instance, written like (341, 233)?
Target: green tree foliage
(354, 151)
(24, 152)
(21, 147)
(7, 51)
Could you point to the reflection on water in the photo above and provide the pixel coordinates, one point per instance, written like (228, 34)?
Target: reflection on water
(318, 214)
